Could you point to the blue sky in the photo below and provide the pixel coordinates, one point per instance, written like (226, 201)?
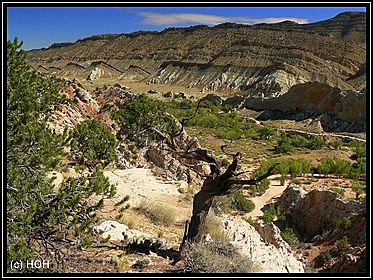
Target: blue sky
(40, 26)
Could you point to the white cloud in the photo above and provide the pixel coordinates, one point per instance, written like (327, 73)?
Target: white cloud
(194, 18)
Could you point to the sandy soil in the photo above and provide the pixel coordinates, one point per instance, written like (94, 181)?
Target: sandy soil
(140, 184)
(274, 190)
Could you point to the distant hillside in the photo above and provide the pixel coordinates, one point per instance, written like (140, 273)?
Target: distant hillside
(263, 58)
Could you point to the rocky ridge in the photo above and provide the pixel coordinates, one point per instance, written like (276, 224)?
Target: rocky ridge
(266, 58)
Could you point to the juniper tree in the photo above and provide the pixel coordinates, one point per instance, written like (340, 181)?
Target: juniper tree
(40, 217)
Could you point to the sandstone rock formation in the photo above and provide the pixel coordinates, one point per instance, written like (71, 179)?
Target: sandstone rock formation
(338, 110)
(312, 97)
(316, 210)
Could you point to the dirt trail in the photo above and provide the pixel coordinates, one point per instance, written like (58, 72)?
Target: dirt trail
(274, 190)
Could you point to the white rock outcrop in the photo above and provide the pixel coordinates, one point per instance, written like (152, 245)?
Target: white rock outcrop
(265, 248)
(118, 231)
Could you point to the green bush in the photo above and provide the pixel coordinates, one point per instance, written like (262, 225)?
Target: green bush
(360, 150)
(358, 188)
(333, 166)
(282, 180)
(323, 258)
(270, 214)
(141, 116)
(284, 145)
(233, 202)
(344, 223)
(265, 132)
(358, 168)
(316, 143)
(250, 221)
(234, 133)
(92, 143)
(289, 236)
(298, 140)
(342, 245)
(241, 203)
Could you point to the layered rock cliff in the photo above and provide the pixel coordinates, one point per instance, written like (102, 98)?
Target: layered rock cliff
(264, 58)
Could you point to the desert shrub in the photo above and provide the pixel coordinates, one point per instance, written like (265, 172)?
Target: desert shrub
(241, 203)
(337, 144)
(289, 236)
(358, 188)
(234, 201)
(250, 221)
(234, 133)
(358, 168)
(316, 143)
(296, 181)
(225, 162)
(180, 104)
(360, 150)
(341, 167)
(132, 221)
(216, 257)
(92, 143)
(284, 145)
(323, 258)
(265, 132)
(344, 223)
(295, 168)
(269, 214)
(298, 140)
(159, 213)
(325, 166)
(214, 226)
(282, 180)
(333, 166)
(342, 245)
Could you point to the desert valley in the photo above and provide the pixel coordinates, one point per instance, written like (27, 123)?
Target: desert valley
(194, 107)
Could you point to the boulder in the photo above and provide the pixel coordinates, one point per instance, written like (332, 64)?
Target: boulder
(213, 98)
(181, 95)
(118, 231)
(235, 101)
(169, 94)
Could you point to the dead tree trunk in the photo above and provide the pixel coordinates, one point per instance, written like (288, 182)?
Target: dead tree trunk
(215, 185)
